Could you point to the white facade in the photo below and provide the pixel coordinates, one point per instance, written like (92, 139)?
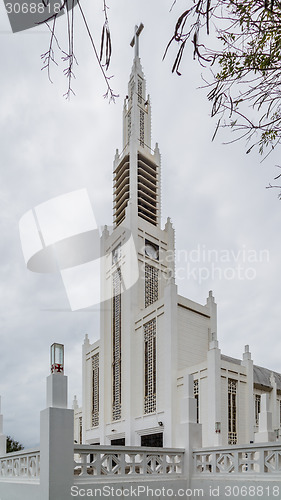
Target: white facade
(151, 338)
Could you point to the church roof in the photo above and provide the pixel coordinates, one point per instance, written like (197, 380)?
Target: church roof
(261, 375)
(231, 360)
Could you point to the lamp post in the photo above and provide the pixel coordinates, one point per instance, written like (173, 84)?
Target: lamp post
(56, 433)
(57, 381)
(57, 358)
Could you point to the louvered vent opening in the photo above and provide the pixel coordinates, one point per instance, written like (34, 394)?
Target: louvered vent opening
(121, 186)
(147, 190)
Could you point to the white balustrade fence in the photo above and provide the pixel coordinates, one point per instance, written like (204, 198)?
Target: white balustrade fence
(224, 469)
(126, 461)
(20, 465)
(252, 459)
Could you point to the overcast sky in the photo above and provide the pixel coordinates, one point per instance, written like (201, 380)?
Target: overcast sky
(215, 195)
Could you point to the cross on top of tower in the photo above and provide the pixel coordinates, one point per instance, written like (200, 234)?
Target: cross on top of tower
(135, 40)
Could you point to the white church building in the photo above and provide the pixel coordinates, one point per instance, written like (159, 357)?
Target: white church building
(150, 336)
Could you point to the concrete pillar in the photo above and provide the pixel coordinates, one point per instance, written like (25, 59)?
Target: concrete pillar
(76, 433)
(265, 433)
(213, 313)
(250, 423)
(56, 391)
(273, 397)
(56, 442)
(214, 395)
(170, 262)
(214, 378)
(3, 439)
(104, 349)
(190, 432)
(75, 405)
(169, 339)
(85, 408)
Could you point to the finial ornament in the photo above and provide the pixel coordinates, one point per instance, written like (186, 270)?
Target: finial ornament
(135, 40)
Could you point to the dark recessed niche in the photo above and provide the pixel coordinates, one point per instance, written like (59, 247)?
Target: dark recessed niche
(153, 440)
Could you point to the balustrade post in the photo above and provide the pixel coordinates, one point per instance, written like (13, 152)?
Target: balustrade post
(56, 440)
(261, 461)
(122, 458)
(236, 454)
(190, 431)
(84, 465)
(3, 438)
(214, 463)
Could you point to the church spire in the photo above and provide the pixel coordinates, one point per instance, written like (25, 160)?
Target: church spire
(137, 169)
(137, 112)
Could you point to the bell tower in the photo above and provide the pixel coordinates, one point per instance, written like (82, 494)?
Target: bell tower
(137, 168)
(136, 271)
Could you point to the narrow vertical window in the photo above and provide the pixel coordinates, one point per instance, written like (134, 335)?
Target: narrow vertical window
(151, 285)
(80, 431)
(150, 366)
(132, 88)
(116, 346)
(257, 407)
(196, 396)
(280, 413)
(129, 124)
(140, 86)
(95, 407)
(142, 128)
(232, 411)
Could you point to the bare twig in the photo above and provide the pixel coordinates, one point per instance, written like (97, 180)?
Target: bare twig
(68, 55)
(109, 93)
(49, 56)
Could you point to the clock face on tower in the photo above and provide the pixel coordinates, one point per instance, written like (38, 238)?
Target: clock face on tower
(151, 250)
